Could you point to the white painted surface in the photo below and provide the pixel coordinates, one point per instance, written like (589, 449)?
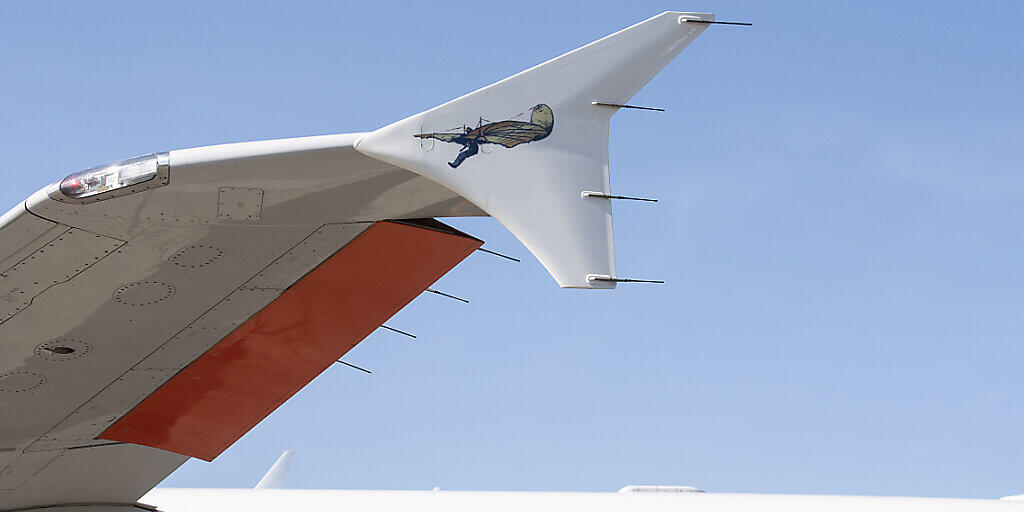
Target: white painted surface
(203, 500)
(658, 488)
(275, 477)
(534, 189)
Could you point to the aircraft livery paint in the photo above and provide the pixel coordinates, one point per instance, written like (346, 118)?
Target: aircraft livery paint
(508, 133)
(216, 399)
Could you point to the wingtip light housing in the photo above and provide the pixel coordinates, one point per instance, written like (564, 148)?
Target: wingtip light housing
(117, 178)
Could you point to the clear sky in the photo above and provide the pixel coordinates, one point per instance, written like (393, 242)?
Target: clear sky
(842, 194)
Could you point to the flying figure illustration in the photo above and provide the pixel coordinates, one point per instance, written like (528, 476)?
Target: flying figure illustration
(507, 133)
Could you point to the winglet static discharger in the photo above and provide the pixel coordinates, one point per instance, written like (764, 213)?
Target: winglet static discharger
(524, 148)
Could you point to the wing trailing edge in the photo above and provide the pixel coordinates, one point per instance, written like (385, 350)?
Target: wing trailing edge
(545, 143)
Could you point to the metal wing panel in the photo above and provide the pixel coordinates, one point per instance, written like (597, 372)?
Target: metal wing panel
(120, 310)
(115, 313)
(197, 336)
(115, 473)
(56, 261)
(19, 228)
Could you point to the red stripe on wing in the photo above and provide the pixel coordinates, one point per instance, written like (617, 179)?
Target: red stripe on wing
(220, 396)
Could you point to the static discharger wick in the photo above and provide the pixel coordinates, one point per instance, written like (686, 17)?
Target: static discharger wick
(392, 329)
(431, 290)
(481, 249)
(609, 279)
(350, 365)
(707, 22)
(591, 193)
(621, 105)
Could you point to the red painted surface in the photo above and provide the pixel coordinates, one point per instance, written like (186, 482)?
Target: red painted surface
(212, 402)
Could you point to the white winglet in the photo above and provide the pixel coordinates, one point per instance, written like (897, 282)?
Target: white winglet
(524, 148)
(274, 479)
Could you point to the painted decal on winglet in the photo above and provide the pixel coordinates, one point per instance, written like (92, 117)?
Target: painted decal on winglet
(509, 133)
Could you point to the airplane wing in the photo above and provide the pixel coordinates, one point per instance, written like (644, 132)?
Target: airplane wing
(157, 308)
(138, 331)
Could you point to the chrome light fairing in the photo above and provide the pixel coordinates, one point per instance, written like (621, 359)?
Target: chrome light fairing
(116, 179)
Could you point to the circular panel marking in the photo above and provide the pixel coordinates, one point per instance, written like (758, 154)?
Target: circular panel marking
(143, 293)
(62, 350)
(20, 381)
(196, 256)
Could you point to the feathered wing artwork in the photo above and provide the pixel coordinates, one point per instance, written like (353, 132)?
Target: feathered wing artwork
(504, 133)
(442, 136)
(511, 133)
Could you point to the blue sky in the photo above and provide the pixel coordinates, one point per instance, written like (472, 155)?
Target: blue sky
(840, 231)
